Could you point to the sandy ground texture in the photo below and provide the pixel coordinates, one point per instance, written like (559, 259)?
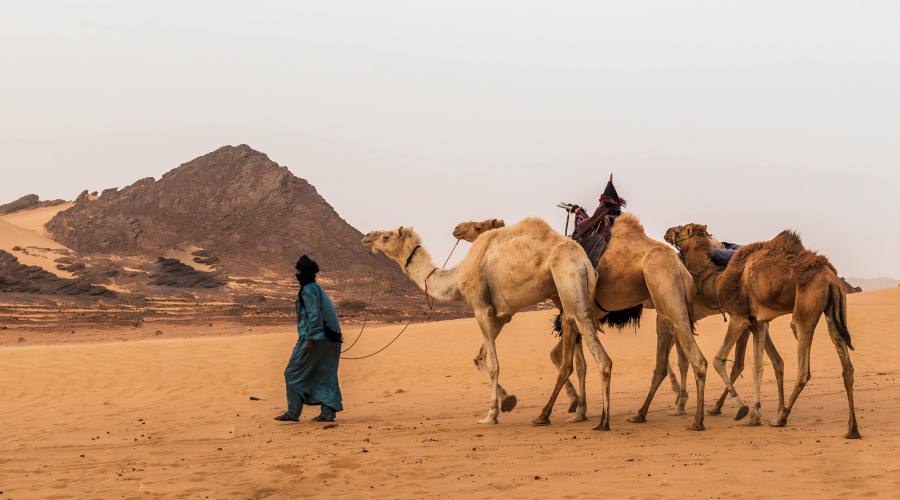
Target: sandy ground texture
(174, 418)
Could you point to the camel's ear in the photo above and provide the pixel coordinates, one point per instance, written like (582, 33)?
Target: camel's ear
(703, 229)
(400, 231)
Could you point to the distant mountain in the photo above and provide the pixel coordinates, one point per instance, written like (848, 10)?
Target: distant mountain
(236, 206)
(869, 284)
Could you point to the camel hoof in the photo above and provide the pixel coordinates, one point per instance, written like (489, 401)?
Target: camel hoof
(602, 427)
(541, 421)
(578, 417)
(509, 403)
(637, 419)
(679, 412)
(852, 434)
(742, 412)
(573, 406)
(715, 410)
(488, 421)
(697, 427)
(778, 423)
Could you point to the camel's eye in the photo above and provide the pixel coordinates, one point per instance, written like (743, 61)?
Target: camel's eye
(384, 238)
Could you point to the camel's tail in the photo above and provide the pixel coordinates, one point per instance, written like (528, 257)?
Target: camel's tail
(837, 311)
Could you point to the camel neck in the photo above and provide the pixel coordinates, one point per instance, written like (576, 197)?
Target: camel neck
(439, 284)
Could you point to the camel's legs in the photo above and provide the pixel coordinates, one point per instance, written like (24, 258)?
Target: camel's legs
(737, 327)
(604, 362)
(490, 328)
(804, 334)
(844, 355)
(581, 372)
(507, 401)
(556, 358)
(760, 331)
(740, 350)
(664, 341)
(777, 365)
(683, 364)
(564, 369)
(576, 308)
(669, 297)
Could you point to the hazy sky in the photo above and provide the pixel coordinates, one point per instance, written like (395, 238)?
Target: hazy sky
(750, 117)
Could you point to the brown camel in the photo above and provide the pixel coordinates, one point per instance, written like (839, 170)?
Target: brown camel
(634, 270)
(766, 280)
(706, 303)
(505, 271)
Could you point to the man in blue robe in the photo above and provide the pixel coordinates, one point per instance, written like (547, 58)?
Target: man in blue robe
(311, 376)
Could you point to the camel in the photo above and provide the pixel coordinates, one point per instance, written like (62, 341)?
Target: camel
(470, 230)
(505, 271)
(766, 280)
(634, 270)
(706, 303)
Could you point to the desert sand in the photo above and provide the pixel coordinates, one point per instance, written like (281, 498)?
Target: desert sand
(25, 230)
(173, 418)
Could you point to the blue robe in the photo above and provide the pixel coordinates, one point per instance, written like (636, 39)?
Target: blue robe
(311, 378)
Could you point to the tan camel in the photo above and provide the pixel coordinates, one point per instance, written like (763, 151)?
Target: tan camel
(634, 270)
(505, 271)
(769, 279)
(706, 304)
(470, 230)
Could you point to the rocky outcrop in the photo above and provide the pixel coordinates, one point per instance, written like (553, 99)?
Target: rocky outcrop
(174, 273)
(16, 277)
(27, 202)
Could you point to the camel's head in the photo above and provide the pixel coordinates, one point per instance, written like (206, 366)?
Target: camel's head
(470, 230)
(679, 236)
(394, 244)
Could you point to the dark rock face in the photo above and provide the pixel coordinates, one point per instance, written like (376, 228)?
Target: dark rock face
(173, 273)
(848, 288)
(16, 277)
(248, 213)
(26, 202)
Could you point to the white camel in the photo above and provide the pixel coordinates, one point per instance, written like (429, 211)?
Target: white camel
(506, 270)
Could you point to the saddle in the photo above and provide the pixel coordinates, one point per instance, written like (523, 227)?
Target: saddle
(593, 236)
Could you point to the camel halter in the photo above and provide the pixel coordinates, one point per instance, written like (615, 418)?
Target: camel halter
(679, 240)
(698, 280)
(411, 255)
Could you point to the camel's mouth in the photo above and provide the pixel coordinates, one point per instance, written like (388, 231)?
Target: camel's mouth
(369, 239)
(670, 236)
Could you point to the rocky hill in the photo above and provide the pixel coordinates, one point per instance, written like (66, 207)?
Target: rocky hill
(238, 207)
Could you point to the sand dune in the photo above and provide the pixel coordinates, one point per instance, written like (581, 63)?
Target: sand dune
(25, 230)
(36, 218)
(173, 418)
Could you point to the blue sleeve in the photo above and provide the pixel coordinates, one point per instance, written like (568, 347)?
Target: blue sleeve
(312, 300)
